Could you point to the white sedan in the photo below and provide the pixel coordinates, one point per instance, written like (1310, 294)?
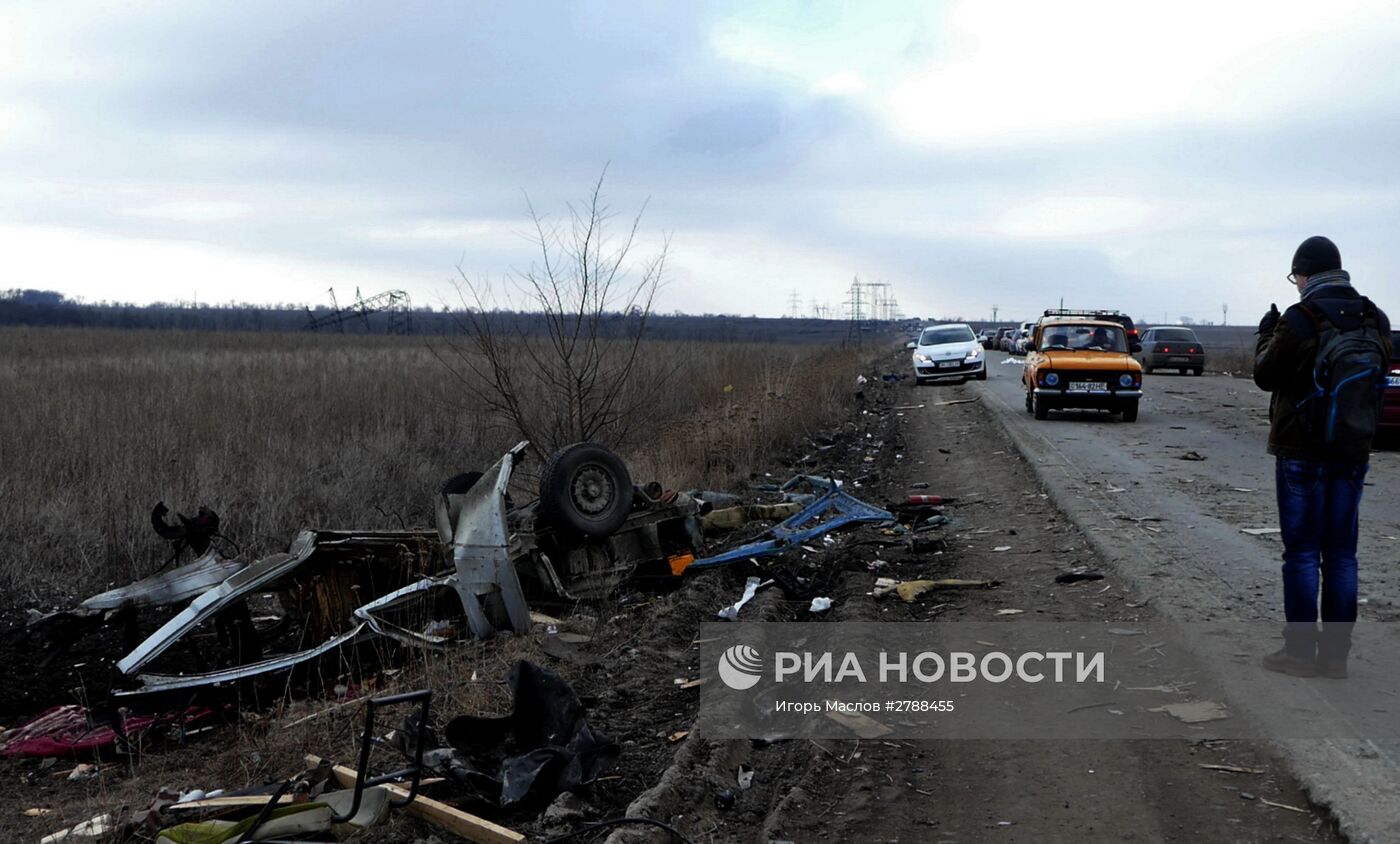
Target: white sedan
(948, 351)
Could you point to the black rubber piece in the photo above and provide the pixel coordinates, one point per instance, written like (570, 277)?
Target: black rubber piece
(585, 490)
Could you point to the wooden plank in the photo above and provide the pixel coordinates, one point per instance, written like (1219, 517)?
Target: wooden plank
(455, 821)
(257, 801)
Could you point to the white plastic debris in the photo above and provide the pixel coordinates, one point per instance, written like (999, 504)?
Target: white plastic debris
(731, 612)
(820, 605)
(745, 778)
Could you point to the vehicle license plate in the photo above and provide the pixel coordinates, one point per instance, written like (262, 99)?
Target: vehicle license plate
(947, 364)
(1087, 386)
(1178, 360)
(1392, 380)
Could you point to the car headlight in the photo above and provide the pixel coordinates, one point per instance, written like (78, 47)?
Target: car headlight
(1125, 380)
(922, 359)
(1051, 379)
(974, 354)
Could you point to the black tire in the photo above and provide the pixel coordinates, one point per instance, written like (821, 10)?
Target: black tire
(585, 490)
(1199, 370)
(1130, 412)
(1182, 371)
(982, 376)
(458, 484)
(1039, 408)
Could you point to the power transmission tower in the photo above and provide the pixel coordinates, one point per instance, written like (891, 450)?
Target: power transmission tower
(395, 304)
(855, 308)
(794, 305)
(876, 298)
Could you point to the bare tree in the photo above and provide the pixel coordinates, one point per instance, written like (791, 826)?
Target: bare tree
(556, 352)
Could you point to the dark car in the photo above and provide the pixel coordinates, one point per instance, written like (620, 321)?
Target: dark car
(1390, 407)
(1172, 348)
(1003, 339)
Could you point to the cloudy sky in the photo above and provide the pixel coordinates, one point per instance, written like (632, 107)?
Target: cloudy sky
(1162, 158)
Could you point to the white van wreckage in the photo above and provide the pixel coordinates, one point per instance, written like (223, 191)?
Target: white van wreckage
(590, 530)
(476, 553)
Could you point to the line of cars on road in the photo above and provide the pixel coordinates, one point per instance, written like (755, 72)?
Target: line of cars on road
(1086, 359)
(1074, 359)
(1163, 347)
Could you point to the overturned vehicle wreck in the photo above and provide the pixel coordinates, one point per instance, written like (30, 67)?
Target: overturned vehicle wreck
(475, 574)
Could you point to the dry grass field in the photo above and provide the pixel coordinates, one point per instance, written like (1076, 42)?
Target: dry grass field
(276, 432)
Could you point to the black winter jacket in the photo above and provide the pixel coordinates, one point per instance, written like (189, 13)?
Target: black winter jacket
(1283, 365)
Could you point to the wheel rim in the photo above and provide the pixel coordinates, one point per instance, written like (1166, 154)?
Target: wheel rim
(592, 490)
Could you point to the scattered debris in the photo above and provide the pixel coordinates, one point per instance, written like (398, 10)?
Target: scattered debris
(1261, 531)
(1232, 769)
(731, 518)
(544, 746)
(1078, 576)
(1191, 455)
(364, 809)
(751, 587)
(745, 777)
(1195, 712)
(71, 730)
(819, 605)
(910, 590)
(452, 820)
(1268, 802)
(1010, 612)
(92, 829)
(862, 725)
(834, 510)
(1001, 548)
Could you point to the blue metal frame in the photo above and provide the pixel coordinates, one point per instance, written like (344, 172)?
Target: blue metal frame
(844, 509)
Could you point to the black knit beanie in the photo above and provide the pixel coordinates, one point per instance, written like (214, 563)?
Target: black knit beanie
(1316, 255)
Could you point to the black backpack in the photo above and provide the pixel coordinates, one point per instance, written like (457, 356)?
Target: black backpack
(1349, 377)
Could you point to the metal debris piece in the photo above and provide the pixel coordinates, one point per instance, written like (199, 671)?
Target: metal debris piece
(834, 510)
(167, 588)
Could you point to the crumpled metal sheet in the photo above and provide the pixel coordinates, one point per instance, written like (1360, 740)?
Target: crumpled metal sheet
(167, 682)
(204, 607)
(171, 587)
(480, 555)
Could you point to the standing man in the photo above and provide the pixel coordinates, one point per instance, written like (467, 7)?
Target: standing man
(1325, 360)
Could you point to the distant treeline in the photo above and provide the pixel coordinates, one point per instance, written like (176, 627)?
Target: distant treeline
(49, 308)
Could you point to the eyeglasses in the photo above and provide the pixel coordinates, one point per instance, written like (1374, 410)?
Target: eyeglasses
(1292, 278)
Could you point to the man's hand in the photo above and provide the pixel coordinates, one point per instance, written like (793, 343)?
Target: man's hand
(1266, 325)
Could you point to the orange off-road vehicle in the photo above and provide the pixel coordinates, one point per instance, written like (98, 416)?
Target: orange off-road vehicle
(1081, 362)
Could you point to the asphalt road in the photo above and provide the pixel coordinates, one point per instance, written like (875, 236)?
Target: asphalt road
(1175, 527)
(1136, 470)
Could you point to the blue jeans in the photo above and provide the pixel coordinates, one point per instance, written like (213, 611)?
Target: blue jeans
(1318, 506)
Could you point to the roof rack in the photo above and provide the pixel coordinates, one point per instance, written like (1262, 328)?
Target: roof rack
(1070, 312)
